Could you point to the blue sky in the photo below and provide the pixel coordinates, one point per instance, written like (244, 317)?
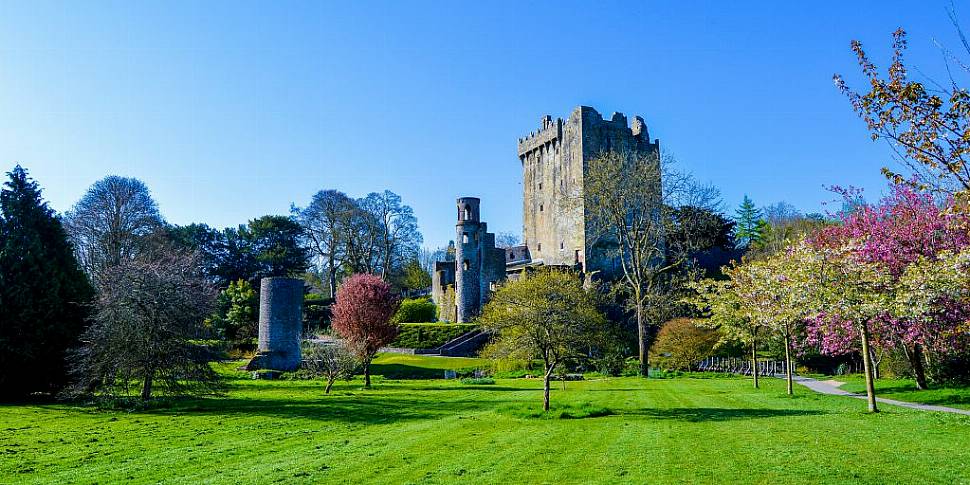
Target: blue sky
(232, 110)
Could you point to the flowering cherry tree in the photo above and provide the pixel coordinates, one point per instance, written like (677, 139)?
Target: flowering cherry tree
(905, 228)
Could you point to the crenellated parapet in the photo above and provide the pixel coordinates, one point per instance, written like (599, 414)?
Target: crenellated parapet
(549, 131)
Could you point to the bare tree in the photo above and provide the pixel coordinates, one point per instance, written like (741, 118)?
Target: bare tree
(633, 201)
(145, 321)
(331, 362)
(113, 223)
(327, 221)
(396, 227)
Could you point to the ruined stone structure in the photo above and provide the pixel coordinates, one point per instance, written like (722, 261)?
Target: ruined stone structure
(555, 225)
(554, 160)
(477, 265)
(280, 324)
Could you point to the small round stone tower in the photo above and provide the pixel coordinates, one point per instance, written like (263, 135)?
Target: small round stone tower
(468, 259)
(280, 324)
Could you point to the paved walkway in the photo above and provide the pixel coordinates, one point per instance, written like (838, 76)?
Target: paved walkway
(832, 387)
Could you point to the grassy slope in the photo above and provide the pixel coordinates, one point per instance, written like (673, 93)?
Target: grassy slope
(432, 431)
(905, 390)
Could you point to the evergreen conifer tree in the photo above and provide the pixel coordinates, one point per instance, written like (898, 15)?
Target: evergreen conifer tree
(749, 229)
(43, 291)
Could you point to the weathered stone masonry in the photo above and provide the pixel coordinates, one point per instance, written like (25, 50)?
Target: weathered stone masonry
(280, 324)
(554, 162)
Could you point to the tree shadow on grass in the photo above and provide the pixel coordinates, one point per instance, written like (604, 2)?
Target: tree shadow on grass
(695, 415)
(363, 408)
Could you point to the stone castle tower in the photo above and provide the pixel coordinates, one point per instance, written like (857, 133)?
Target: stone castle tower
(555, 225)
(554, 161)
(461, 287)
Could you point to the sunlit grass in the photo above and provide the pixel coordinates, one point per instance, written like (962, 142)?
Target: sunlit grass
(611, 430)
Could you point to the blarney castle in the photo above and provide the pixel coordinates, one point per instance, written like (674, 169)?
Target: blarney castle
(555, 225)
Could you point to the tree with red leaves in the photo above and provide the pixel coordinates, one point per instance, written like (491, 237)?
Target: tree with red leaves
(362, 316)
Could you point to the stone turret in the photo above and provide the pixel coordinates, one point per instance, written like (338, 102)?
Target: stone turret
(468, 259)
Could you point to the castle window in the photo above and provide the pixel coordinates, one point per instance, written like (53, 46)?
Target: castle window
(540, 207)
(540, 185)
(464, 237)
(562, 245)
(468, 214)
(465, 265)
(539, 247)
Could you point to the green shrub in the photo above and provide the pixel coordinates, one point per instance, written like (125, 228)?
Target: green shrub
(428, 335)
(681, 345)
(416, 310)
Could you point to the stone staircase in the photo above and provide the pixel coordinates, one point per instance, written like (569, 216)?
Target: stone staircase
(465, 345)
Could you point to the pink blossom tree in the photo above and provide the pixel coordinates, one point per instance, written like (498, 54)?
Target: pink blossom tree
(362, 317)
(900, 230)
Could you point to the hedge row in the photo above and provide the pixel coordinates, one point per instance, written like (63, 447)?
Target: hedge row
(429, 335)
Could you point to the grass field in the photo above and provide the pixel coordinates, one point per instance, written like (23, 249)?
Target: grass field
(682, 430)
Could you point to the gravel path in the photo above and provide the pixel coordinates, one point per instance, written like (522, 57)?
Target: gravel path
(832, 387)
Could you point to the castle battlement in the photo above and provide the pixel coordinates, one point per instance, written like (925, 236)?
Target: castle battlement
(549, 131)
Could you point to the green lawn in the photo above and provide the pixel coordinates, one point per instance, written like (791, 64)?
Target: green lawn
(680, 430)
(905, 390)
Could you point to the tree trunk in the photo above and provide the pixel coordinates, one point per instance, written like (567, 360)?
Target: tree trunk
(545, 389)
(754, 359)
(367, 374)
(919, 370)
(875, 365)
(333, 281)
(867, 367)
(788, 366)
(146, 387)
(642, 335)
(329, 386)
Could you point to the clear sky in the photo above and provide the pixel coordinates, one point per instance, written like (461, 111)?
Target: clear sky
(232, 110)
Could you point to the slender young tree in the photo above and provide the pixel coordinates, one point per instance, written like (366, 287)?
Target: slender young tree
(547, 315)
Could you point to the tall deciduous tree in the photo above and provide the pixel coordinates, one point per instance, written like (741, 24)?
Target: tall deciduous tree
(396, 229)
(631, 199)
(327, 222)
(547, 315)
(362, 317)
(114, 222)
(43, 291)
